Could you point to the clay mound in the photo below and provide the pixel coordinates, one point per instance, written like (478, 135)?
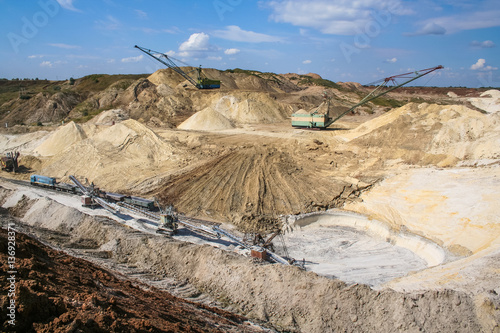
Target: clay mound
(63, 137)
(229, 111)
(452, 130)
(108, 156)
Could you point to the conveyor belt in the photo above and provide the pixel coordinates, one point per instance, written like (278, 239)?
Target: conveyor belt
(144, 212)
(77, 183)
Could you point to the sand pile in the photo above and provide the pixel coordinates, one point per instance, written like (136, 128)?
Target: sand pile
(64, 137)
(237, 109)
(108, 156)
(447, 130)
(208, 120)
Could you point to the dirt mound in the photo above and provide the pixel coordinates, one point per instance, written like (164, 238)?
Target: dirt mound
(108, 156)
(56, 292)
(248, 183)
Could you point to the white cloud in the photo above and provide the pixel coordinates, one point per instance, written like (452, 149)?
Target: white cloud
(340, 17)
(430, 28)
(133, 59)
(46, 64)
(235, 33)
(392, 60)
(67, 4)
(485, 16)
(196, 42)
(232, 51)
(218, 58)
(197, 46)
(306, 62)
(65, 46)
(480, 66)
(485, 44)
(34, 56)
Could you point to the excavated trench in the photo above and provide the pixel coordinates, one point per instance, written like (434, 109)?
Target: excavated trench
(286, 298)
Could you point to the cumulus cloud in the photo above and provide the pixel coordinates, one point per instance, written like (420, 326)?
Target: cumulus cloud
(133, 59)
(305, 62)
(46, 64)
(235, 33)
(232, 51)
(340, 17)
(68, 4)
(392, 60)
(197, 46)
(430, 28)
(480, 66)
(196, 42)
(486, 44)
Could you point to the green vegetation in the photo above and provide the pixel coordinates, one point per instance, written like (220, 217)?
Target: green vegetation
(268, 76)
(87, 114)
(99, 82)
(309, 81)
(243, 71)
(388, 102)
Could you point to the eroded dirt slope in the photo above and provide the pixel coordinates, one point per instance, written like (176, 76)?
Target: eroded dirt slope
(60, 293)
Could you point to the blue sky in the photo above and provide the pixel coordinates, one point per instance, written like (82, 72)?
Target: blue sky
(342, 40)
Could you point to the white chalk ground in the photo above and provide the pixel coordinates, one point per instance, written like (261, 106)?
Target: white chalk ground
(335, 244)
(351, 255)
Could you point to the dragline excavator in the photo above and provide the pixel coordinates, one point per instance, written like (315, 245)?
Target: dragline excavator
(320, 117)
(200, 82)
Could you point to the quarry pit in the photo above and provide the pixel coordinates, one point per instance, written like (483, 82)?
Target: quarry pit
(393, 214)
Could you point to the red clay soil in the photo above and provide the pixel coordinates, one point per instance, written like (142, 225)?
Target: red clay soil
(59, 293)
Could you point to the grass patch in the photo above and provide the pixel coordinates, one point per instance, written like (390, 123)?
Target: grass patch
(99, 82)
(310, 81)
(388, 102)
